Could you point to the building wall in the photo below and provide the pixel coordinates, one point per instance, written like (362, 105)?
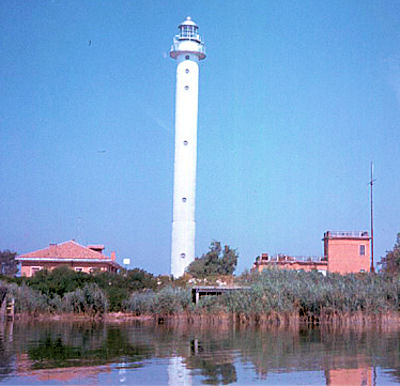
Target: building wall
(344, 255)
(28, 269)
(344, 252)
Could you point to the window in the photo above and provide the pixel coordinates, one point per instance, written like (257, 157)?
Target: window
(187, 71)
(187, 57)
(183, 199)
(188, 31)
(183, 255)
(185, 143)
(362, 250)
(35, 269)
(186, 87)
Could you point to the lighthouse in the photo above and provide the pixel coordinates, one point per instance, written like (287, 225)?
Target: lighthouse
(187, 49)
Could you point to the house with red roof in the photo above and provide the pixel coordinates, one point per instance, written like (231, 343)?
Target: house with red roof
(78, 257)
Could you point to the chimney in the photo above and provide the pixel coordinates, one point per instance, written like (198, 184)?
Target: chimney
(113, 256)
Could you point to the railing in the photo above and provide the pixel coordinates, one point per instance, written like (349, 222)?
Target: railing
(195, 37)
(177, 42)
(347, 234)
(284, 258)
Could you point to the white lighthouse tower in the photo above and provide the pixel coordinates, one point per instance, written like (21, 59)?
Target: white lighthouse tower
(187, 50)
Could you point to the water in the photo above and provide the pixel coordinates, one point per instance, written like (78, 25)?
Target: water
(70, 353)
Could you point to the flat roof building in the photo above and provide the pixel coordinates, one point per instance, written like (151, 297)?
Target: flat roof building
(344, 252)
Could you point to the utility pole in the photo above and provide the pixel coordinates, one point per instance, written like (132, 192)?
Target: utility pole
(371, 183)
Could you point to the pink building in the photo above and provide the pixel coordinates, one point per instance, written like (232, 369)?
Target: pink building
(344, 252)
(347, 252)
(70, 253)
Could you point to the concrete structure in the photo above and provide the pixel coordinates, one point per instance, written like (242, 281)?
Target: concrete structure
(187, 50)
(199, 291)
(76, 256)
(347, 252)
(344, 252)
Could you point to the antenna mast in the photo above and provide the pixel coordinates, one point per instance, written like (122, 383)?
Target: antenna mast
(371, 182)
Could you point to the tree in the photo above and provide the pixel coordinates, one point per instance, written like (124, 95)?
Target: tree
(139, 279)
(59, 281)
(391, 262)
(9, 266)
(119, 286)
(215, 262)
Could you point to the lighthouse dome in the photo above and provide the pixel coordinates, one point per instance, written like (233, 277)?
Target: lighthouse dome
(188, 21)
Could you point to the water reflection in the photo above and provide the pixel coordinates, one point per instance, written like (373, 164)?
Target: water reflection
(178, 374)
(6, 336)
(214, 360)
(43, 352)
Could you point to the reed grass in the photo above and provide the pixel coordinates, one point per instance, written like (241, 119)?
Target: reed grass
(286, 297)
(274, 297)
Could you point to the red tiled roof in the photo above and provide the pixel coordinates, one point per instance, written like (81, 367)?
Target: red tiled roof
(67, 250)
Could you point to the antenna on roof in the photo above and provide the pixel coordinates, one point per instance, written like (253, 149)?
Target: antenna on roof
(371, 183)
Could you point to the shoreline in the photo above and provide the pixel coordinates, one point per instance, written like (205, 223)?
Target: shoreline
(223, 319)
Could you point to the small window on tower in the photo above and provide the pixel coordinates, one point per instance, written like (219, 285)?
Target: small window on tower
(183, 255)
(186, 87)
(185, 143)
(187, 71)
(187, 57)
(362, 250)
(183, 199)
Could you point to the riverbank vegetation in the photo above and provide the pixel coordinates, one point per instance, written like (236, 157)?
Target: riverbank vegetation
(273, 296)
(281, 296)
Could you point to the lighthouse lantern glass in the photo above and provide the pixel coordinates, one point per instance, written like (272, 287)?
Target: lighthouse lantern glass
(188, 31)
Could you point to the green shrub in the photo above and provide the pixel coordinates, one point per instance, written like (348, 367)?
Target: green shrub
(27, 299)
(140, 303)
(59, 281)
(90, 300)
(116, 286)
(171, 300)
(119, 286)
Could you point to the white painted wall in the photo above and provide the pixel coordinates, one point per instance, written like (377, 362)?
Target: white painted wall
(186, 108)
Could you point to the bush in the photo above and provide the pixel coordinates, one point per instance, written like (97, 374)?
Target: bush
(140, 303)
(116, 286)
(90, 300)
(59, 281)
(167, 301)
(27, 299)
(119, 286)
(171, 301)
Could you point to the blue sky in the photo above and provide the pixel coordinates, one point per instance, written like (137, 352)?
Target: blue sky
(296, 99)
